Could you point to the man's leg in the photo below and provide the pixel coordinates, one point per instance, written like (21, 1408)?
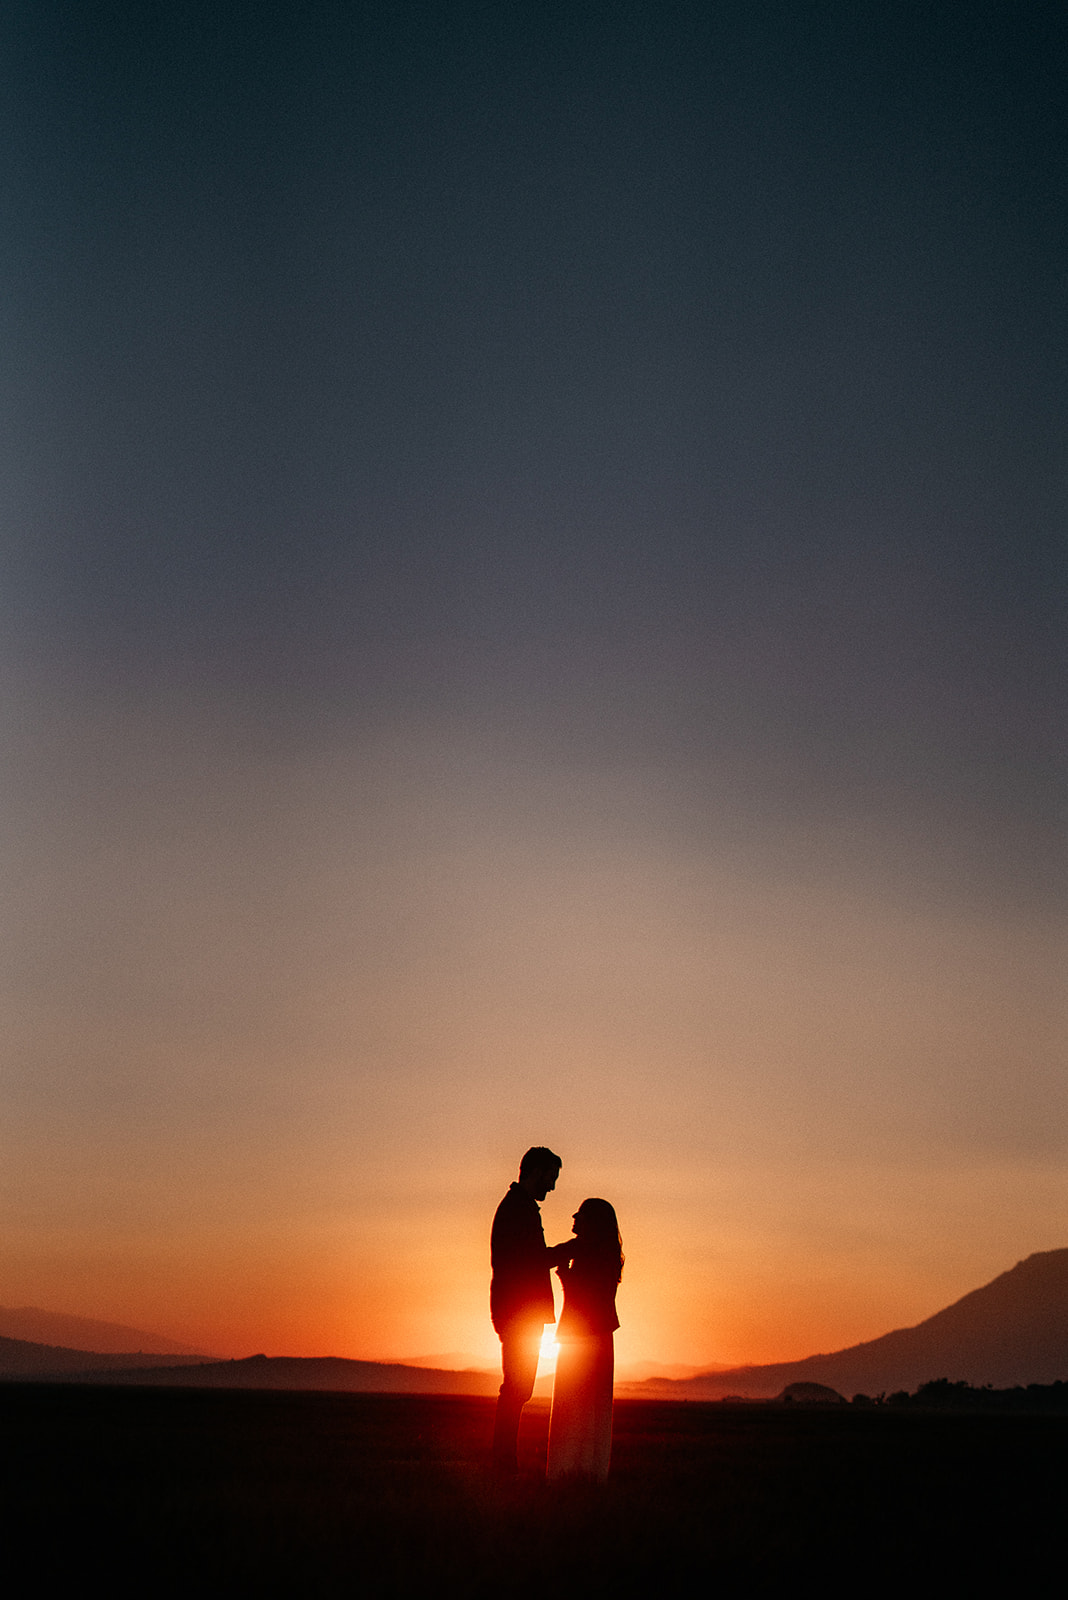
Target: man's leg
(519, 1361)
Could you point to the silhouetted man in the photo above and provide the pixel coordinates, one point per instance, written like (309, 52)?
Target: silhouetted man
(521, 1294)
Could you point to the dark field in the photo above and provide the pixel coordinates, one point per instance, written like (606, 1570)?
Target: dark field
(161, 1492)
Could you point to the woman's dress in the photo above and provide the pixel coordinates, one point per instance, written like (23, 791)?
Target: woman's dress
(580, 1423)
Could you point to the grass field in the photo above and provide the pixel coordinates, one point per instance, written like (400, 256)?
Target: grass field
(197, 1493)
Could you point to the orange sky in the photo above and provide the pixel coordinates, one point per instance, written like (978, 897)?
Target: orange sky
(277, 1107)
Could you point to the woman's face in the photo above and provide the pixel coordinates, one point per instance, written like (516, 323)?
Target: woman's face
(579, 1224)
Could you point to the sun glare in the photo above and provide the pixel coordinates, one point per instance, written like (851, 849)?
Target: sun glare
(549, 1347)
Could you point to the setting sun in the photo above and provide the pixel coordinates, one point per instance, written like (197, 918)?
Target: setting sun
(549, 1347)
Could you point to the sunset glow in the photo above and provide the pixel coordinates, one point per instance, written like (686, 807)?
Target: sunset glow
(549, 1350)
(532, 613)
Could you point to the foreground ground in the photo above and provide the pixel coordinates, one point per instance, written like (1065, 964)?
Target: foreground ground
(198, 1493)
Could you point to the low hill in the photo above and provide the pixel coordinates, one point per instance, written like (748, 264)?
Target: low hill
(24, 1361)
(317, 1372)
(1012, 1331)
(86, 1333)
(22, 1358)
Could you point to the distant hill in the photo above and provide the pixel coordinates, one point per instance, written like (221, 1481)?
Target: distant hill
(85, 1333)
(26, 1362)
(1012, 1331)
(21, 1358)
(321, 1372)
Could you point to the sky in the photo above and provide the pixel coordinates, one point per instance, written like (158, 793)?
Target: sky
(532, 611)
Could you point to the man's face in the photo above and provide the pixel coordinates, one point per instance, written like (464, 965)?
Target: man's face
(544, 1183)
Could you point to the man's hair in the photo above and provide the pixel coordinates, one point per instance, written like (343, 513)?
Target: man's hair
(539, 1159)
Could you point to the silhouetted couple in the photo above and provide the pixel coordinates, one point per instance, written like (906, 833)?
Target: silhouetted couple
(590, 1266)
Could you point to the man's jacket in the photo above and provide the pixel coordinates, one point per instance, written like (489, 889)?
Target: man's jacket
(521, 1289)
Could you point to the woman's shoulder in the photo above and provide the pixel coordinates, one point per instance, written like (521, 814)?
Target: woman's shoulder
(596, 1262)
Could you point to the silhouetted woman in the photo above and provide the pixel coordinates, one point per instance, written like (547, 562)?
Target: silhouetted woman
(580, 1426)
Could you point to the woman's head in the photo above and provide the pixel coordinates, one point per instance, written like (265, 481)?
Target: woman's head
(595, 1226)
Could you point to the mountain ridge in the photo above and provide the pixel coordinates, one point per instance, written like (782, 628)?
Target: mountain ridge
(1012, 1330)
(66, 1331)
(25, 1362)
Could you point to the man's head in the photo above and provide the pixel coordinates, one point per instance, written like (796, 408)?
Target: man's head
(539, 1170)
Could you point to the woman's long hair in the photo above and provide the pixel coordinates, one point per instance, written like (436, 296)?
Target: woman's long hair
(601, 1231)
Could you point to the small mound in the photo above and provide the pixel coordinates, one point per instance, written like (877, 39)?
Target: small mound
(813, 1394)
